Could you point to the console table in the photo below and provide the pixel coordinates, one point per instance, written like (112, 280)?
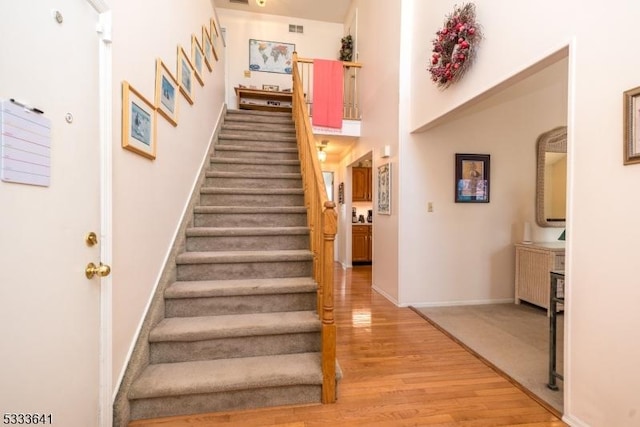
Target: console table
(263, 100)
(533, 263)
(556, 293)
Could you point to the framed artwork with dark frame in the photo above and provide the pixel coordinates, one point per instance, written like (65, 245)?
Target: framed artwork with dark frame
(631, 126)
(138, 123)
(472, 178)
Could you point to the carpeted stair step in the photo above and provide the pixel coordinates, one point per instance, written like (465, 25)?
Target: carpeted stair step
(250, 216)
(253, 179)
(257, 142)
(216, 196)
(221, 297)
(257, 135)
(256, 152)
(258, 117)
(243, 264)
(200, 239)
(183, 339)
(254, 165)
(231, 126)
(170, 389)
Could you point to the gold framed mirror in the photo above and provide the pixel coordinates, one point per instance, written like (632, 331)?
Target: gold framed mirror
(551, 178)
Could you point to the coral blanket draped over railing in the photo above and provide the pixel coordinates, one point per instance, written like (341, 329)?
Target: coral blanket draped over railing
(350, 96)
(328, 90)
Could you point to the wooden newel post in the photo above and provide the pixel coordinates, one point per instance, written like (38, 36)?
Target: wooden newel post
(329, 230)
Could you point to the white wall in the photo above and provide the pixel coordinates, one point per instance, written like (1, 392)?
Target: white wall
(465, 251)
(378, 40)
(150, 196)
(320, 40)
(601, 387)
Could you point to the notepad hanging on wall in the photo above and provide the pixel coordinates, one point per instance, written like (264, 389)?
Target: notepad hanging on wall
(25, 147)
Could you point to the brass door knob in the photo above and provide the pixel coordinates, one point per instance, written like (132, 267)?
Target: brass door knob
(100, 270)
(91, 239)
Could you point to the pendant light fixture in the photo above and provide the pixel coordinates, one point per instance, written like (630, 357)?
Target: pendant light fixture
(322, 155)
(261, 3)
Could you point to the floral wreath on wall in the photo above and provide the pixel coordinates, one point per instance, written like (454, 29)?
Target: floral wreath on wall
(455, 45)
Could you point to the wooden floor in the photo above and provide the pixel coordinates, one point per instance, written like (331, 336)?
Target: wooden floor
(398, 371)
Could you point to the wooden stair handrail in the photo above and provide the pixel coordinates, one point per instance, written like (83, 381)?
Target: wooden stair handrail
(323, 225)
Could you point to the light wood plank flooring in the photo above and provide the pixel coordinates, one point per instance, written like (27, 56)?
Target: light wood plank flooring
(399, 370)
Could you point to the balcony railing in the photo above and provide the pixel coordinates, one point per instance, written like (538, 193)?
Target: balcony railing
(351, 103)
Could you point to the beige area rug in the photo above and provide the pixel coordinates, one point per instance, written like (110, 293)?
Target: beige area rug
(513, 338)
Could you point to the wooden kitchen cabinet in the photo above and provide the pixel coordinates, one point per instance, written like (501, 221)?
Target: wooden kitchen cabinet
(361, 184)
(361, 243)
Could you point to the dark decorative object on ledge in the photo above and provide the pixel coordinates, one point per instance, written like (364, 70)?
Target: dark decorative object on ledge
(346, 52)
(454, 46)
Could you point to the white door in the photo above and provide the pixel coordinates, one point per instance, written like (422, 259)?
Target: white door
(49, 310)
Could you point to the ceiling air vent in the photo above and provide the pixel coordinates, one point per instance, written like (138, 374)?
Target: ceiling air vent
(239, 1)
(296, 29)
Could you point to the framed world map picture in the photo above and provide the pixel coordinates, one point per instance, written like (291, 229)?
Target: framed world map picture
(271, 57)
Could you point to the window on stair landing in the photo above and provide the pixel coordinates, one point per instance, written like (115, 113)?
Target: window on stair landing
(328, 183)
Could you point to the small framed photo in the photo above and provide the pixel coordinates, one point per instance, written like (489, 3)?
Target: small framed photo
(271, 88)
(384, 189)
(215, 35)
(207, 48)
(472, 178)
(197, 56)
(185, 75)
(632, 126)
(214, 28)
(138, 123)
(166, 93)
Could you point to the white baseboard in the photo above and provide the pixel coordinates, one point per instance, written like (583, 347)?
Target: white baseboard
(574, 422)
(460, 303)
(384, 294)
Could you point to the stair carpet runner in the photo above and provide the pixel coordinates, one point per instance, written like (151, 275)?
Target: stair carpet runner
(240, 328)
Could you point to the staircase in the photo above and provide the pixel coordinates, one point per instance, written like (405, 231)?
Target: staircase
(240, 327)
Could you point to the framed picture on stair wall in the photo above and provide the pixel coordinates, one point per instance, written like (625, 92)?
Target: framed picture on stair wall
(207, 48)
(166, 93)
(138, 123)
(215, 36)
(185, 75)
(197, 58)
